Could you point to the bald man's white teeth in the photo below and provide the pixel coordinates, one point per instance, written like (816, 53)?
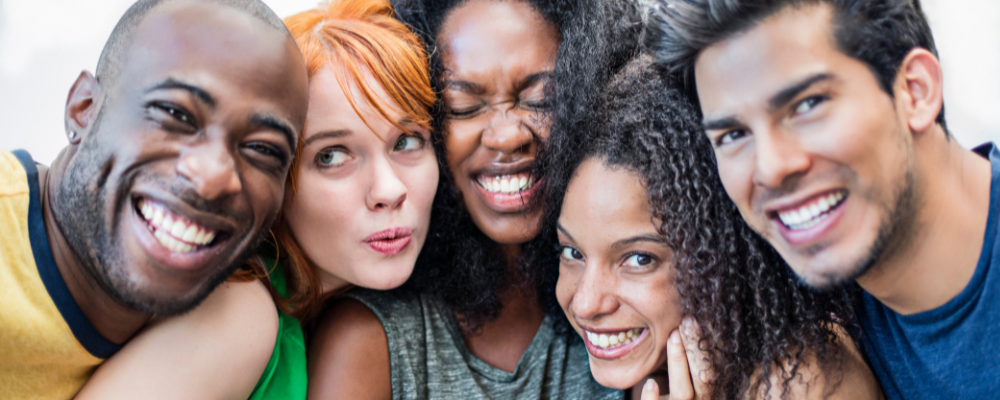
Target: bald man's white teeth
(506, 184)
(175, 232)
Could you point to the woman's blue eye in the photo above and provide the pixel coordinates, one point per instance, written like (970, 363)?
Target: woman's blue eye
(329, 157)
(639, 260)
(571, 253)
(408, 142)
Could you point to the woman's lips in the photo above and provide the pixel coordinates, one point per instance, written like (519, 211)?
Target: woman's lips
(597, 348)
(389, 241)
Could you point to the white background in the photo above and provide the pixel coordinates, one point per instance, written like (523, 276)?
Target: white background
(44, 44)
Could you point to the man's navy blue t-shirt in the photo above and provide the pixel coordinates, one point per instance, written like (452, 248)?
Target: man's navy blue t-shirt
(953, 351)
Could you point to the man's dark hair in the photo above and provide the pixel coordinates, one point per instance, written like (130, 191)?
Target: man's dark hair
(459, 263)
(115, 53)
(879, 33)
(757, 320)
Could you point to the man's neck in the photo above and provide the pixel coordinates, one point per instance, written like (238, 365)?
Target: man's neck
(114, 320)
(939, 258)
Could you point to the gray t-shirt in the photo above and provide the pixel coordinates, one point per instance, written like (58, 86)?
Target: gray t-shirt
(429, 359)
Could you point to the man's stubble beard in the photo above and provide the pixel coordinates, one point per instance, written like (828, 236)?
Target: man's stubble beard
(77, 207)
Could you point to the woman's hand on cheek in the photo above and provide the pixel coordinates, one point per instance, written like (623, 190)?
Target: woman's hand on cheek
(684, 362)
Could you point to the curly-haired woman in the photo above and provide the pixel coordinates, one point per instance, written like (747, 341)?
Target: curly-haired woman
(471, 323)
(647, 238)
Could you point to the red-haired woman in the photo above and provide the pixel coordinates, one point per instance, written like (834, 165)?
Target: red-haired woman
(356, 213)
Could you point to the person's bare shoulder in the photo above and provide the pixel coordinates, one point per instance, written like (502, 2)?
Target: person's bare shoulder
(855, 380)
(349, 354)
(216, 351)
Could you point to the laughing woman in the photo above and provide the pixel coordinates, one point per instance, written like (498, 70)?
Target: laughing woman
(356, 213)
(648, 236)
(471, 323)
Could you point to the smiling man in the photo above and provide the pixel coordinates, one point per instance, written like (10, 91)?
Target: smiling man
(827, 121)
(179, 149)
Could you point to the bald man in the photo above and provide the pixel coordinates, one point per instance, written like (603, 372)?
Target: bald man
(175, 169)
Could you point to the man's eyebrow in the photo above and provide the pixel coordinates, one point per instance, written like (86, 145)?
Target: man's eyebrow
(532, 79)
(268, 121)
(721, 123)
(466, 87)
(563, 230)
(786, 95)
(197, 92)
(641, 238)
(339, 133)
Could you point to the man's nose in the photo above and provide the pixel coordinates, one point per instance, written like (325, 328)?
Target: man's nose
(387, 191)
(779, 156)
(595, 295)
(506, 133)
(210, 166)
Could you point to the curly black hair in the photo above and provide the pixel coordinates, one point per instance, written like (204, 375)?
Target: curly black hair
(757, 320)
(460, 264)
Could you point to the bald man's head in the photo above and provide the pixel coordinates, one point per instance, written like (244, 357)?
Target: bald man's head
(115, 52)
(180, 148)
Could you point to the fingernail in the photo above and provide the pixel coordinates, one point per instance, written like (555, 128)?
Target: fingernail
(675, 337)
(649, 385)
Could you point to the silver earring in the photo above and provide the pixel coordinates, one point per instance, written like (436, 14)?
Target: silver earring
(72, 135)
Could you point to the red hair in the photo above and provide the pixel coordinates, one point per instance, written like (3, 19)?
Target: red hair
(354, 38)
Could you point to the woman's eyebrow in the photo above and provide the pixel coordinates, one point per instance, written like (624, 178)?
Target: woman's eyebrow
(563, 230)
(636, 239)
(339, 133)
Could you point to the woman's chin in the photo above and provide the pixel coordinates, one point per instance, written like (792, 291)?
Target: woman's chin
(619, 377)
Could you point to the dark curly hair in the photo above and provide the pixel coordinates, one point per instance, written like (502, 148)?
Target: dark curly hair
(460, 264)
(757, 320)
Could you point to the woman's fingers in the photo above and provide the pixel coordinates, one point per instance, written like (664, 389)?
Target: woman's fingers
(677, 369)
(650, 391)
(697, 360)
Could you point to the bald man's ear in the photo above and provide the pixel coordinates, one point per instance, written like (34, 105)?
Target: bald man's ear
(81, 106)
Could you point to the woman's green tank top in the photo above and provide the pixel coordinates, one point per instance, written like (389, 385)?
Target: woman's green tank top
(285, 374)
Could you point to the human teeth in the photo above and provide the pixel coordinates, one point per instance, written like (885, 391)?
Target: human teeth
(506, 184)
(175, 233)
(811, 214)
(157, 216)
(190, 234)
(609, 340)
(168, 223)
(178, 229)
(824, 204)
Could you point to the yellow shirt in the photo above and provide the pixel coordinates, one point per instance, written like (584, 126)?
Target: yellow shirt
(48, 349)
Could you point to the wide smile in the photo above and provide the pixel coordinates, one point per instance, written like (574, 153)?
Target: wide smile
(506, 192)
(807, 222)
(173, 239)
(172, 230)
(615, 344)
